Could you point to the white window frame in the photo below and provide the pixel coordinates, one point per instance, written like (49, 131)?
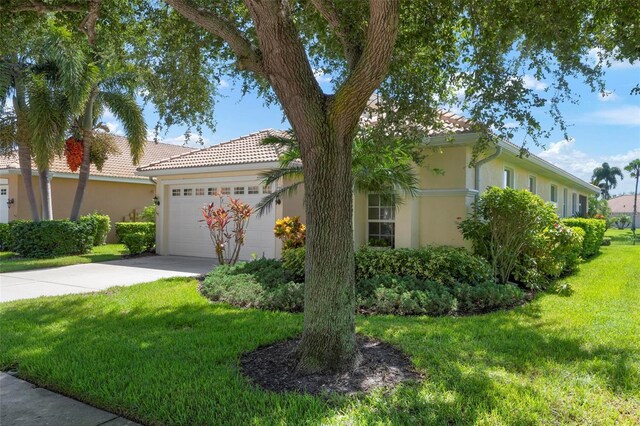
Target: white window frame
(533, 184)
(391, 221)
(176, 192)
(551, 192)
(509, 178)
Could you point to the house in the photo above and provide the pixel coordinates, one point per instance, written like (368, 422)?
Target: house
(115, 190)
(622, 205)
(187, 181)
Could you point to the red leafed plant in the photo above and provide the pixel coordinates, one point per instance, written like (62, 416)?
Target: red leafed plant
(73, 151)
(227, 224)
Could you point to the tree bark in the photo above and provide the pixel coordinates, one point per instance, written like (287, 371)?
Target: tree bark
(45, 195)
(24, 151)
(85, 167)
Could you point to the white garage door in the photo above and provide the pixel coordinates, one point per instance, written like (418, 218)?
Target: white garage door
(188, 236)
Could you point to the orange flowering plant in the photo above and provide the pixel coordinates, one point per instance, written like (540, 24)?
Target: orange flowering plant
(291, 231)
(227, 223)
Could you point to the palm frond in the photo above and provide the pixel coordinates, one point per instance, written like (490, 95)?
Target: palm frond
(274, 175)
(6, 81)
(265, 205)
(48, 120)
(124, 108)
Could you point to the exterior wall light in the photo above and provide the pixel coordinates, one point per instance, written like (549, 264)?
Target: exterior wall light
(156, 200)
(10, 202)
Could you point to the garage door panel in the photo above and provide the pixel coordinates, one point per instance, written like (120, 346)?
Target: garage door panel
(188, 236)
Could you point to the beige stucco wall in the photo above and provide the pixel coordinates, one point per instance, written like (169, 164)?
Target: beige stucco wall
(293, 205)
(118, 200)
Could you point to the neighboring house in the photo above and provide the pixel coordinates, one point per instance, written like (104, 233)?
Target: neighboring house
(189, 180)
(116, 190)
(622, 205)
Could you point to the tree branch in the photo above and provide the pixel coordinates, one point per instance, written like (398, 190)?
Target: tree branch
(248, 57)
(373, 65)
(352, 50)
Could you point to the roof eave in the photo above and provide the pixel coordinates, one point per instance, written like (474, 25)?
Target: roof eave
(264, 165)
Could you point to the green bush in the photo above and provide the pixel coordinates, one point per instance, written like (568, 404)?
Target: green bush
(293, 262)
(5, 242)
(149, 214)
(51, 238)
(266, 284)
(594, 234)
(102, 225)
(507, 227)
(123, 228)
(138, 242)
(442, 264)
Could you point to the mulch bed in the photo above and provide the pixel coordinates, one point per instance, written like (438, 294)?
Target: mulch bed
(273, 368)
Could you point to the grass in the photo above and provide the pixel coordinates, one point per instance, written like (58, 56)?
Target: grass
(622, 236)
(159, 353)
(11, 262)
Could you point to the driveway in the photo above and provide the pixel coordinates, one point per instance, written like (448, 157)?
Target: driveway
(91, 277)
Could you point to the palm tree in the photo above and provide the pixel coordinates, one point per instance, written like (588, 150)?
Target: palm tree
(605, 177)
(634, 170)
(380, 164)
(114, 90)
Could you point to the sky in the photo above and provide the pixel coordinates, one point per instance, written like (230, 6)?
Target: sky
(602, 127)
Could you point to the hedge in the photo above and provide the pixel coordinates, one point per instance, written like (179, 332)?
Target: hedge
(123, 228)
(51, 238)
(594, 230)
(5, 241)
(102, 225)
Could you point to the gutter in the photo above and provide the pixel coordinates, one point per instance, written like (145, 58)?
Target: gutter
(480, 163)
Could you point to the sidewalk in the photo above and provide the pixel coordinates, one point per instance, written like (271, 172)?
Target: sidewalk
(24, 404)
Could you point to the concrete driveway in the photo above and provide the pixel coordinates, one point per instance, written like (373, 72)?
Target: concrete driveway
(91, 277)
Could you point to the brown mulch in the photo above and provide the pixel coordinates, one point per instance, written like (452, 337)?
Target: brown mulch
(273, 368)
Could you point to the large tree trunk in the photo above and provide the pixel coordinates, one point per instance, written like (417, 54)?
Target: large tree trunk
(45, 195)
(85, 167)
(328, 339)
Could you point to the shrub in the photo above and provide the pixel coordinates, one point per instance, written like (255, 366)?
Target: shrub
(5, 244)
(123, 228)
(606, 241)
(240, 290)
(227, 223)
(102, 225)
(594, 230)
(622, 222)
(442, 264)
(293, 262)
(487, 296)
(148, 214)
(506, 224)
(51, 238)
(291, 231)
(138, 242)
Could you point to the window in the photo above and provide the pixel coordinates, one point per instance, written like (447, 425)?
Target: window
(187, 192)
(3, 191)
(225, 190)
(553, 196)
(381, 220)
(175, 192)
(532, 184)
(266, 189)
(253, 190)
(199, 191)
(564, 202)
(211, 191)
(574, 203)
(508, 178)
(238, 190)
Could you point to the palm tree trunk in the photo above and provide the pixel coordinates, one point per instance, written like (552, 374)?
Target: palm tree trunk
(85, 167)
(24, 151)
(45, 195)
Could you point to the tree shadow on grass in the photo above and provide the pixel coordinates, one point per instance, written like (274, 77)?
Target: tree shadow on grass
(167, 356)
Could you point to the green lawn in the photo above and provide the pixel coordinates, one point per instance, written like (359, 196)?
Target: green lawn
(622, 236)
(159, 353)
(10, 262)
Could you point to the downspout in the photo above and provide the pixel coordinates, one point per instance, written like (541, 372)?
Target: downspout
(479, 164)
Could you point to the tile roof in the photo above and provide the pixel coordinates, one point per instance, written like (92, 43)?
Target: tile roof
(119, 165)
(622, 204)
(243, 150)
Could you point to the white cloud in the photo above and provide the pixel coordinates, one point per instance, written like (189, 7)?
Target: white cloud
(599, 56)
(530, 82)
(567, 156)
(321, 76)
(114, 127)
(223, 83)
(607, 96)
(628, 115)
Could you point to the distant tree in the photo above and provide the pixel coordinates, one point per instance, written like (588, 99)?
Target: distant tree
(605, 177)
(634, 170)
